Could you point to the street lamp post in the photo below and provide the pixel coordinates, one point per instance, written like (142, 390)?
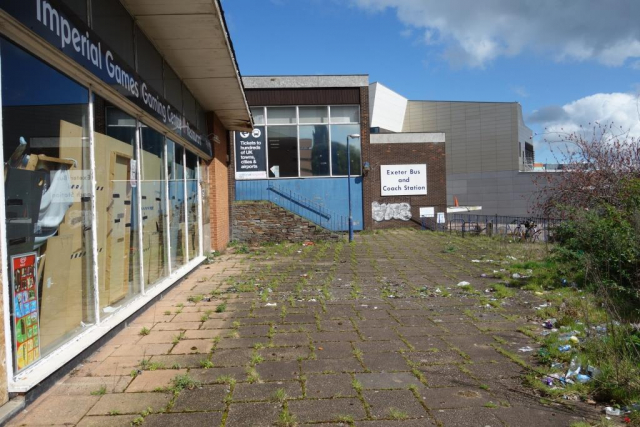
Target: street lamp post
(352, 136)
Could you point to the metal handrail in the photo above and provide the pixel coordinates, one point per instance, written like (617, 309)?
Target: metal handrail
(302, 201)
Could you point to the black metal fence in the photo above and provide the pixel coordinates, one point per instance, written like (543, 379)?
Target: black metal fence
(532, 229)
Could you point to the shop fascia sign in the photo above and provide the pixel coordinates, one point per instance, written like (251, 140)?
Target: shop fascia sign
(53, 22)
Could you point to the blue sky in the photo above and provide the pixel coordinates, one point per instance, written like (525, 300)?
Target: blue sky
(566, 64)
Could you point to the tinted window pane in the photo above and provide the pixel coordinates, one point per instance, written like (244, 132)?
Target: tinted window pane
(202, 119)
(149, 62)
(154, 213)
(314, 150)
(48, 208)
(173, 87)
(339, 149)
(114, 25)
(283, 151)
(117, 203)
(192, 205)
(281, 115)
(344, 114)
(176, 204)
(189, 105)
(258, 115)
(313, 115)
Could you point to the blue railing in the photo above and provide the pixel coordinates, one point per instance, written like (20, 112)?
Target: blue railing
(293, 202)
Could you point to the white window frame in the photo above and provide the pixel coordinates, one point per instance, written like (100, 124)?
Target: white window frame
(329, 124)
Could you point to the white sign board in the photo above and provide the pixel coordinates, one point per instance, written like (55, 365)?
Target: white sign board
(403, 180)
(428, 212)
(441, 218)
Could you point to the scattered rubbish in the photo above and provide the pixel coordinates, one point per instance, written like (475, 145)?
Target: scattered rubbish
(304, 275)
(271, 304)
(463, 283)
(525, 349)
(475, 260)
(574, 339)
(548, 381)
(516, 275)
(538, 293)
(557, 365)
(564, 348)
(511, 257)
(312, 300)
(483, 275)
(595, 372)
(612, 411)
(541, 306)
(582, 378)
(308, 243)
(550, 323)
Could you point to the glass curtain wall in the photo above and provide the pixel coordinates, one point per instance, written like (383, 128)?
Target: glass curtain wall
(177, 230)
(153, 207)
(117, 206)
(191, 174)
(310, 141)
(48, 205)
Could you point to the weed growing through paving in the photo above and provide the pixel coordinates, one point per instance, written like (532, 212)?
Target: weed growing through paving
(144, 331)
(397, 414)
(195, 298)
(357, 385)
(99, 392)
(178, 338)
(206, 364)
(286, 418)
(148, 365)
(184, 381)
(346, 419)
(252, 375)
(279, 395)
(221, 308)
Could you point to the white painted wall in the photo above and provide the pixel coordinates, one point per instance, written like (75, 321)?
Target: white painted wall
(386, 108)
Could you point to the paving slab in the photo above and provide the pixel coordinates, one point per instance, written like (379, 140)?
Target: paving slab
(184, 419)
(253, 414)
(325, 410)
(130, 403)
(393, 404)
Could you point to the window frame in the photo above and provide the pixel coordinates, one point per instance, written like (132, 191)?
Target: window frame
(32, 375)
(329, 124)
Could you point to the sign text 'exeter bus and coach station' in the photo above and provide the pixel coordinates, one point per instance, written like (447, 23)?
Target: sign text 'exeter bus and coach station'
(403, 180)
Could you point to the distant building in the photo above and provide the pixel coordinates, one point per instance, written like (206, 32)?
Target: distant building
(489, 149)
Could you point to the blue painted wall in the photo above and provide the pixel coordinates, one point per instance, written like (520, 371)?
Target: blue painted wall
(320, 200)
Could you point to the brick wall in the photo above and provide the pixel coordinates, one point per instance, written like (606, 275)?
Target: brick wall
(259, 222)
(219, 184)
(431, 154)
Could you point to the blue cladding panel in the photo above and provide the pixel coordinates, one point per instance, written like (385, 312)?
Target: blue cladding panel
(321, 200)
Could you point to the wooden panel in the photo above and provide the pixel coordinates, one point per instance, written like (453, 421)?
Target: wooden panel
(303, 96)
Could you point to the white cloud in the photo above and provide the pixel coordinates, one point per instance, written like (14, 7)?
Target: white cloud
(621, 109)
(473, 33)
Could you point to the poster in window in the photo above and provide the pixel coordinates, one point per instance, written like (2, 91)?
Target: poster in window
(251, 159)
(26, 323)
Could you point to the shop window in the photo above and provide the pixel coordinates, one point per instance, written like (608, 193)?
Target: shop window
(78, 7)
(281, 115)
(117, 206)
(47, 202)
(258, 115)
(345, 114)
(314, 150)
(149, 62)
(283, 151)
(175, 163)
(313, 115)
(191, 174)
(112, 21)
(339, 135)
(206, 213)
(153, 206)
(172, 87)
